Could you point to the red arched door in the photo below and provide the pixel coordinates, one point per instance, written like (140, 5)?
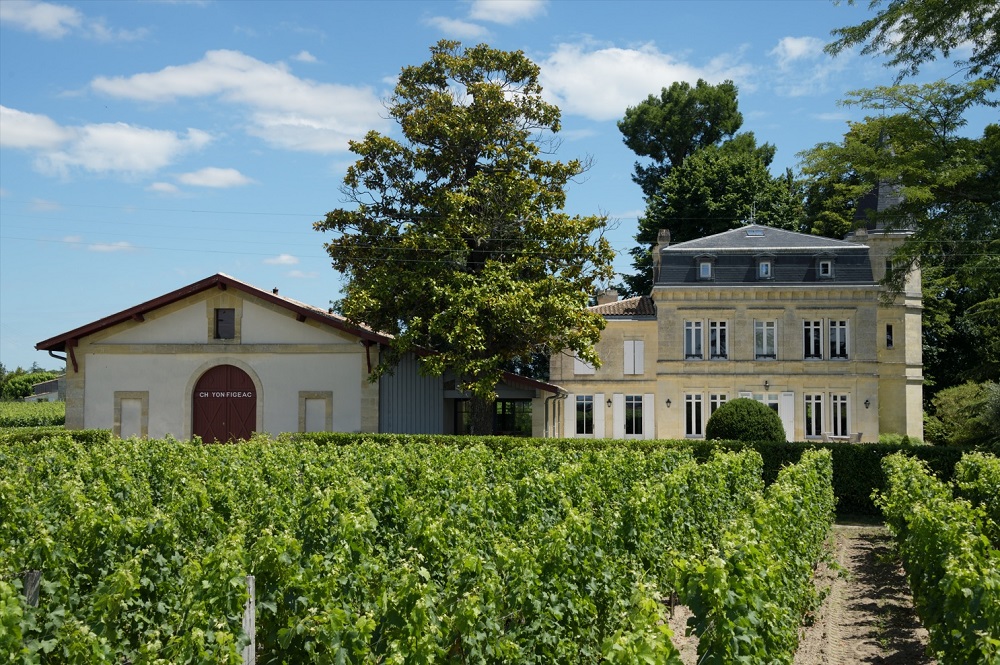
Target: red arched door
(225, 405)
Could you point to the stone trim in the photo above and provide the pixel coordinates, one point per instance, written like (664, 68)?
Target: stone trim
(327, 397)
(143, 396)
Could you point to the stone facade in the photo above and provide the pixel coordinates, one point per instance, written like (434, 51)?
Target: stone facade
(808, 334)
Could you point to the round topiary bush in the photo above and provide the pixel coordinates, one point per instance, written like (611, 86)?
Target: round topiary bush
(745, 419)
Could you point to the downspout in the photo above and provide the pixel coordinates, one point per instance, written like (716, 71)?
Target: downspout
(53, 354)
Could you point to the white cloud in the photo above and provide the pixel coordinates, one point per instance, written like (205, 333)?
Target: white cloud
(832, 117)
(30, 130)
(457, 28)
(120, 148)
(506, 12)
(803, 68)
(43, 18)
(299, 274)
(56, 21)
(282, 260)
(600, 83)
(286, 111)
(304, 56)
(214, 177)
(791, 49)
(73, 240)
(120, 246)
(163, 188)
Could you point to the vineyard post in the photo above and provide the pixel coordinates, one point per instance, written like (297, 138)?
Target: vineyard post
(32, 582)
(250, 623)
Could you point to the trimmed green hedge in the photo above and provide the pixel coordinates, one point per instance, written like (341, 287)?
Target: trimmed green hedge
(857, 467)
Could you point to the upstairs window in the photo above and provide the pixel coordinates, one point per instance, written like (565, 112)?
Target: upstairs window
(582, 366)
(225, 323)
(765, 269)
(634, 349)
(888, 335)
(825, 269)
(812, 339)
(838, 339)
(765, 335)
(718, 340)
(705, 270)
(693, 340)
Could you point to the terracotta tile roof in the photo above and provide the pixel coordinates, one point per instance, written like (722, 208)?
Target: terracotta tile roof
(638, 306)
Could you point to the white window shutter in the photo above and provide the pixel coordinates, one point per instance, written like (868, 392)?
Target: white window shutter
(648, 418)
(618, 415)
(569, 416)
(629, 357)
(786, 409)
(638, 362)
(599, 410)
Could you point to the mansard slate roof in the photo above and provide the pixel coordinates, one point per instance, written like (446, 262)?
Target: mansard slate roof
(735, 254)
(640, 306)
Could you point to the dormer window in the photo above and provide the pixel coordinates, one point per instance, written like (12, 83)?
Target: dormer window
(765, 266)
(824, 267)
(225, 323)
(705, 266)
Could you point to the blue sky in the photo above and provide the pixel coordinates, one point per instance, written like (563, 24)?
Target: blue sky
(147, 145)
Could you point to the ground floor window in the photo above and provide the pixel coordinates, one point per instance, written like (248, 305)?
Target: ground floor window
(814, 415)
(633, 415)
(511, 417)
(584, 414)
(693, 415)
(715, 400)
(840, 423)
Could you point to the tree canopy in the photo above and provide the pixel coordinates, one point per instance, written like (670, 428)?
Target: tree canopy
(454, 241)
(913, 33)
(676, 124)
(950, 187)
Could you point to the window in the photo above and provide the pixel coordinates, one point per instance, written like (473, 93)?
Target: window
(839, 416)
(715, 401)
(814, 415)
(633, 415)
(812, 339)
(764, 339)
(825, 269)
(888, 335)
(584, 414)
(581, 366)
(692, 340)
(704, 270)
(225, 323)
(770, 400)
(718, 339)
(693, 416)
(513, 417)
(633, 356)
(838, 339)
(764, 269)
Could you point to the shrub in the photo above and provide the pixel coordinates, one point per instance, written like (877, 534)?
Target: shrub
(967, 414)
(745, 419)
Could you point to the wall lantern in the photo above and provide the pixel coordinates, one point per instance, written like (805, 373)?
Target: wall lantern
(668, 402)
(609, 403)
(868, 403)
(767, 384)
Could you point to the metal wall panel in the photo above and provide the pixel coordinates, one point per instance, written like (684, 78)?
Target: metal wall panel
(410, 403)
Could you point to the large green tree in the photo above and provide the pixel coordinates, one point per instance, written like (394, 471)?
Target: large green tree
(914, 32)
(950, 187)
(677, 123)
(454, 240)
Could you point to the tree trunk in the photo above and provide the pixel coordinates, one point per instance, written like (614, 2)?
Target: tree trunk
(481, 415)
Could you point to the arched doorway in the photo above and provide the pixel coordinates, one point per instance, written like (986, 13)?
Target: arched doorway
(225, 405)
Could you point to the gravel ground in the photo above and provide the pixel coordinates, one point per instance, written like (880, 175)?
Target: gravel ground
(867, 615)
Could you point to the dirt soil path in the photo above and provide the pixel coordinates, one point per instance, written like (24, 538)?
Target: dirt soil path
(867, 617)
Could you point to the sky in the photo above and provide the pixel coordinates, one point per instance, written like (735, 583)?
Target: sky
(147, 145)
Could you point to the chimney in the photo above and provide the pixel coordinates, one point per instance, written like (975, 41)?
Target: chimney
(275, 290)
(610, 295)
